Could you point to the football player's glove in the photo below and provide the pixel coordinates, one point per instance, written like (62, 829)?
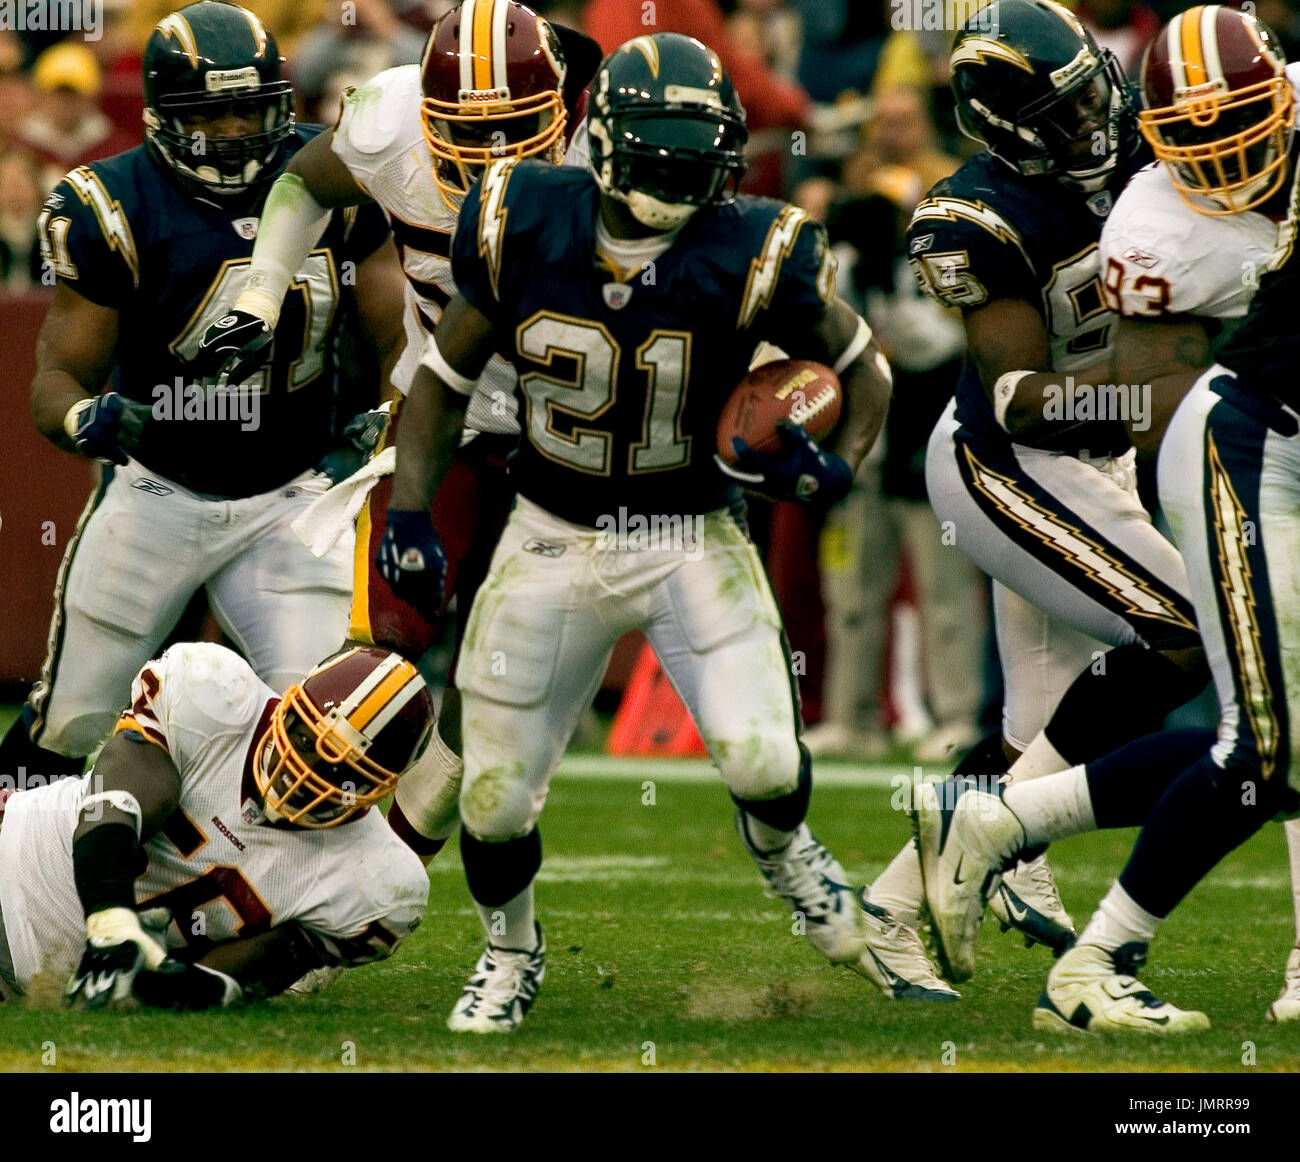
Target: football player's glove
(411, 560)
(237, 343)
(803, 471)
(120, 943)
(177, 985)
(106, 427)
(360, 439)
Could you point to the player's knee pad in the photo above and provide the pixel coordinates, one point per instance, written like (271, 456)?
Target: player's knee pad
(429, 793)
(75, 735)
(760, 764)
(497, 872)
(498, 802)
(785, 811)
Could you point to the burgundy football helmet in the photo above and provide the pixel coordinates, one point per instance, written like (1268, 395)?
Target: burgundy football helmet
(492, 75)
(341, 738)
(1219, 110)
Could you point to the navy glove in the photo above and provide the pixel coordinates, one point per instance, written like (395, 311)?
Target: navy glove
(106, 427)
(360, 439)
(803, 470)
(120, 944)
(237, 343)
(411, 560)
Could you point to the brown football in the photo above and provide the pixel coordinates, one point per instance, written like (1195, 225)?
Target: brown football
(789, 389)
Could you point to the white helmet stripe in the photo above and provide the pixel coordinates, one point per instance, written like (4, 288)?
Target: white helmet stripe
(1177, 67)
(1210, 42)
(500, 76)
(467, 44)
(394, 706)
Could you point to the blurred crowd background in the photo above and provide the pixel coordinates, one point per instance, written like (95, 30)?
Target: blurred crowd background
(850, 118)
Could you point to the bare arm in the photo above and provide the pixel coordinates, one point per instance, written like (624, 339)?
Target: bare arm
(268, 963)
(867, 384)
(131, 763)
(1166, 355)
(74, 354)
(330, 181)
(1009, 335)
(380, 292)
(433, 413)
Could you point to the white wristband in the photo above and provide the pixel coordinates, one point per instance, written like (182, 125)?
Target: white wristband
(857, 345)
(436, 362)
(124, 801)
(1004, 391)
(73, 417)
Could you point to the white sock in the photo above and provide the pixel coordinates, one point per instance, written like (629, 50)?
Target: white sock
(1039, 758)
(429, 793)
(766, 839)
(1053, 806)
(1119, 921)
(1292, 829)
(512, 924)
(897, 889)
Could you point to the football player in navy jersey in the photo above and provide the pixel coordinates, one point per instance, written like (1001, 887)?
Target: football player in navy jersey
(630, 300)
(1229, 479)
(202, 479)
(1092, 609)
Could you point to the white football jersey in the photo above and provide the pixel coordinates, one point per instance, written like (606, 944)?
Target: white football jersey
(222, 871)
(380, 139)
(1159, 256)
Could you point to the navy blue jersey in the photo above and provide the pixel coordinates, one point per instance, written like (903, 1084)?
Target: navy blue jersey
(120, 233)
(623, 374)
(987, 233)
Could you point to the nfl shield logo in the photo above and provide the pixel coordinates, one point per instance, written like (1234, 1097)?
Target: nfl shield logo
(616, 295)
(1100, 203)
(246, 228)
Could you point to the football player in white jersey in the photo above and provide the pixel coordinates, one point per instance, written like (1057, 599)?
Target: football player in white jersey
(249, 814)
(1183, 252)
(495, 80)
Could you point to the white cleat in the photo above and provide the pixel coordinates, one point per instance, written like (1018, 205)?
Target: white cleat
(315, 981)
(1091, 990)
(895, 959)
(501, 990)
(812, 882)
(1028, 901)
(965, 837)
(1287, 1005)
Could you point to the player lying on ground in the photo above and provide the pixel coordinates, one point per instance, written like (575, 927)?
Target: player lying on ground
(1092, 608)
(631, 300)
(414, 139)
(224, 843)
(1229, 477)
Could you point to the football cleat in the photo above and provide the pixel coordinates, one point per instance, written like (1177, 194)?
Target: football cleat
(808, 878)
(315, 981)
(1287, 1005)
(965, 837)
(501, 989)
(895, 959)
(1091, 990)
(1028, 901)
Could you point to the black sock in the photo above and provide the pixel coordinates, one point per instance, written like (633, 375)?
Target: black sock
(24, 764)
(498, 872)
(1193, 825)
(785, 812)
(985, 758)
(1125, 784)
(1130, 697)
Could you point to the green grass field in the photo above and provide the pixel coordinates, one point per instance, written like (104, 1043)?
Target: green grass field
(663, 948)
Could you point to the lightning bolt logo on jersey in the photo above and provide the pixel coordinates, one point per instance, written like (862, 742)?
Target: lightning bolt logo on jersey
(120, 233)
(615, 394)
